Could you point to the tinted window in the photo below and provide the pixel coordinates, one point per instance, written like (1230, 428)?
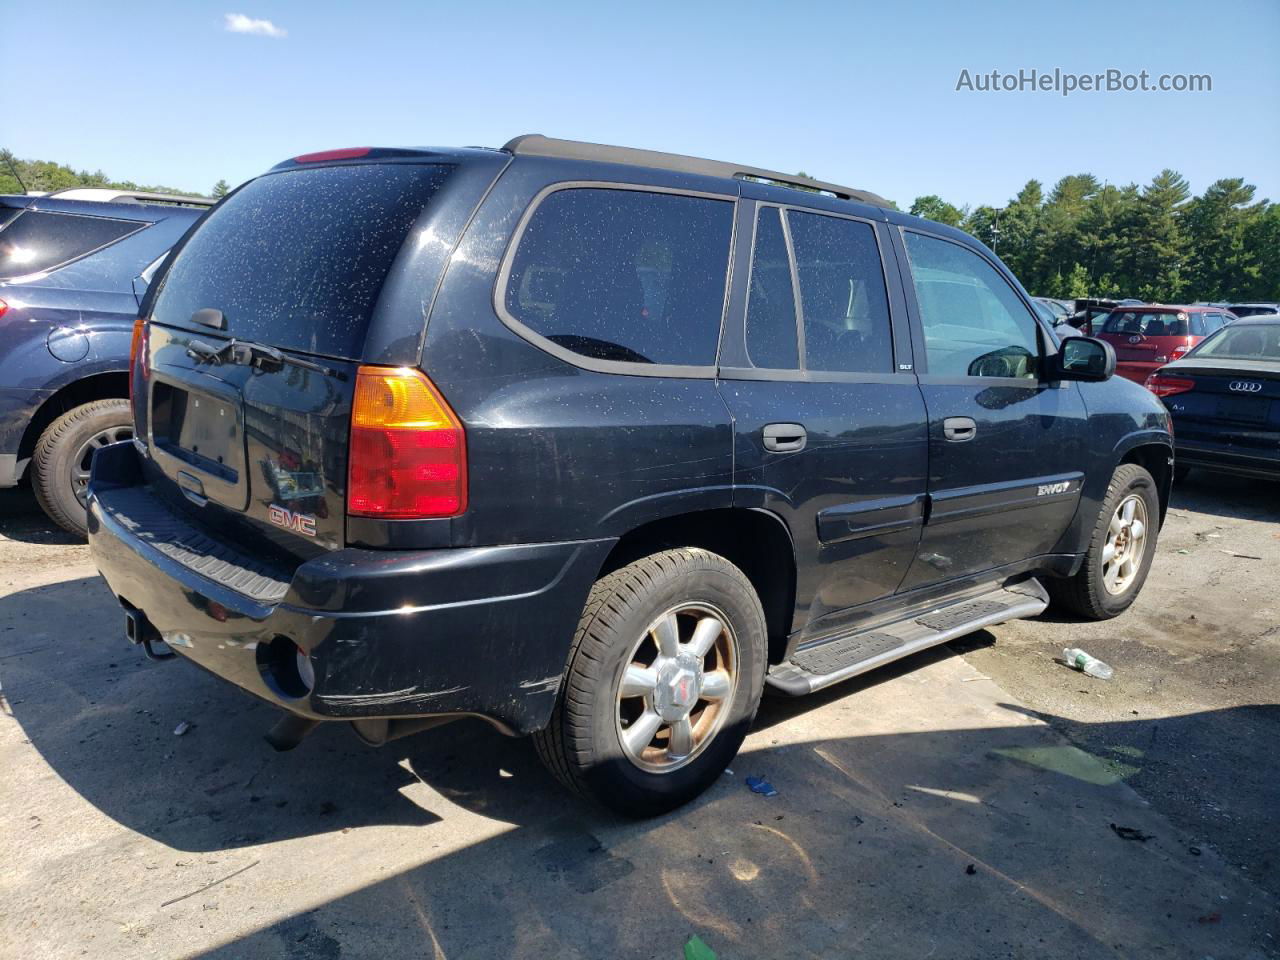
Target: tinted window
(35, 242)
(624, 275)
(842, 295)
(1153, 323)
(771, 303)
(297, 259)
(1198, 322)
(974, 324)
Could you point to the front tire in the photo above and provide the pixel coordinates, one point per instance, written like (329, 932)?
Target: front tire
(1120, 551)
(664, 679)
(62, 456)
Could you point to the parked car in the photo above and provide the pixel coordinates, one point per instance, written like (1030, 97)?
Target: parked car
(1224, 398)
(1243, 310)
(1147, 337)
(431, 433)
(73, 268)
(1090, 311)
(1061, 309)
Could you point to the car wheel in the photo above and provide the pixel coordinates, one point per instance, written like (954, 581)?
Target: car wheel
(664, 679)
(1120, 551)
(63, 454)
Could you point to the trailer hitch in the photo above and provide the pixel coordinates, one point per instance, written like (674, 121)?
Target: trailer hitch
(138, 629)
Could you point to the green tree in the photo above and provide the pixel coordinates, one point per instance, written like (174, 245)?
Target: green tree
(220, 190)
(1222, 265)
(933, 207)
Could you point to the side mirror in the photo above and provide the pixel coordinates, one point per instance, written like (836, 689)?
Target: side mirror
(1082, 358)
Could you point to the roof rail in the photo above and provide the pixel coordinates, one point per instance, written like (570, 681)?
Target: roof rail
(111, 194)
(536, 145)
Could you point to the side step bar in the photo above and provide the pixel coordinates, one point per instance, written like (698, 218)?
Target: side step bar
(839, 658)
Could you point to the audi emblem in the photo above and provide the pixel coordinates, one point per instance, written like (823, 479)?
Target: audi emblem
(1245, 386)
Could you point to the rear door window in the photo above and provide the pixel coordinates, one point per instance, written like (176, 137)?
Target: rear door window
(37, 241)
(771, 301)
(974, 323)
(297, 259)
(842, 295)
(623, 275)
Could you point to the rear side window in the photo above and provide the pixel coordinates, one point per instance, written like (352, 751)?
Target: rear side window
(842, 294)
(771, 302)
(1153, 323)
(297, 259)
(624, 275)
(37, 242)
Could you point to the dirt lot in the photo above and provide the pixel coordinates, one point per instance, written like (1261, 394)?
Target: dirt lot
(957, 805)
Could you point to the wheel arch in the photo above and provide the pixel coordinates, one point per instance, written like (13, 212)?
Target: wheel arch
(1157, 459)
(754, 540)
(106, 385)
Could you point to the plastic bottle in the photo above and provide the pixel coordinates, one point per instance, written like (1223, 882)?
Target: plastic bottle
(1077, 659)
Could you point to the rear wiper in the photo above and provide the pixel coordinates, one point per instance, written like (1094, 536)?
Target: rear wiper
(248, 354)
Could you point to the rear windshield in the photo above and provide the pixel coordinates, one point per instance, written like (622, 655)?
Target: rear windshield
(1146, 323)
(1251, 311)
(296, 259)
(37, 242)
(1245, 341)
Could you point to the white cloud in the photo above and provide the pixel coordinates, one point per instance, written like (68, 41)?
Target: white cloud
(239, 23)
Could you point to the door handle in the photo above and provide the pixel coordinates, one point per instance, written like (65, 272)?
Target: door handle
(959, 429)
(785, 437)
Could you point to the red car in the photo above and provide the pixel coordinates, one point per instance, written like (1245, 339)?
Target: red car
(1145, 338)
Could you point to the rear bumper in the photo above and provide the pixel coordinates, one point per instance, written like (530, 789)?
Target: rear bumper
(1226, 458)
(483, 631)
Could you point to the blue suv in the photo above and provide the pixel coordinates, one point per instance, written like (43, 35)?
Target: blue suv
(73, 268)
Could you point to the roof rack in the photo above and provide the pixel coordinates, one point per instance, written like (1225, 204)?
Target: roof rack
(536, 145)
(112, 195)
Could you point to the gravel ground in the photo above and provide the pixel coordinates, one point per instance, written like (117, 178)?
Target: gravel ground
(957, 804)
(1192, 715)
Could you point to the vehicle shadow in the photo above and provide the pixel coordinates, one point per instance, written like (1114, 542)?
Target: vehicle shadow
(22, 519)
(1221, 494)
(866, 850)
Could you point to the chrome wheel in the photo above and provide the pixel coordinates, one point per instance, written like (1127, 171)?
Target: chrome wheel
(676, 687)
(83, 459)
(1126, 542)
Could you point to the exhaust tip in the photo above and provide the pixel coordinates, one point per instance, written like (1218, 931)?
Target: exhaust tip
(289, 731)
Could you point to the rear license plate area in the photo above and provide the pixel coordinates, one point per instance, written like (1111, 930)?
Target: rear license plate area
(199, 429)
(197, 437)
(1243, 409)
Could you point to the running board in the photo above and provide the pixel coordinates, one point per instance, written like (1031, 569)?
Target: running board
(839, 658)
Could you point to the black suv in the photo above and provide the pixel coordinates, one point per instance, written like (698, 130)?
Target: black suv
(594, 444)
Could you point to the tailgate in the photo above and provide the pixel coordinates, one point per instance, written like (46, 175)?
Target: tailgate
(264, 443)
(256, 331)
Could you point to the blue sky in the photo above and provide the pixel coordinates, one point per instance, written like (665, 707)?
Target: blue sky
(854, 92)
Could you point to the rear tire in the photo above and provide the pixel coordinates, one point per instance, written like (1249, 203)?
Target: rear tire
(1120, 551)
(620, 682)
(60, 462)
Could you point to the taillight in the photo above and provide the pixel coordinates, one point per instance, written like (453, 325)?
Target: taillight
(1163, 385)
(137, 357)
(4, 308)
(408, 454)
(1180, 350)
